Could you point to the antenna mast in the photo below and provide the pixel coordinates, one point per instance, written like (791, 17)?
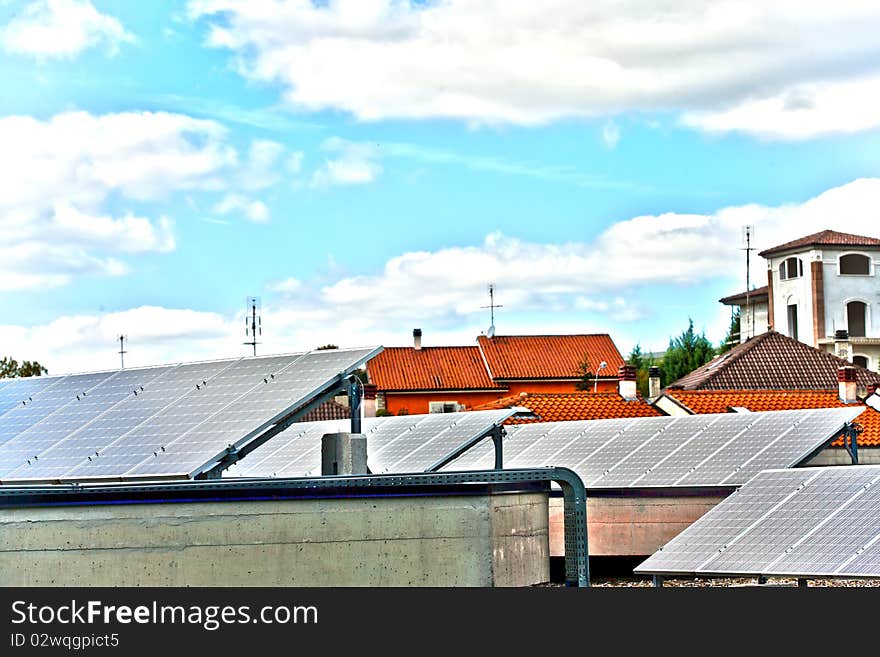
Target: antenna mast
(253, 323)
(748, 233)
(122, 351)
(492, 306)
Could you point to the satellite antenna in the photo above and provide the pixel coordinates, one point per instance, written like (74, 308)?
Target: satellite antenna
(748, 233)
(492, 306)
(253, 323)
(122, 351)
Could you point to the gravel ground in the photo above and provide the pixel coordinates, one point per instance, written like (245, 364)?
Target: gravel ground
(727, 581)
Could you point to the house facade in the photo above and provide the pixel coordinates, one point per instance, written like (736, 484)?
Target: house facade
(822, 290)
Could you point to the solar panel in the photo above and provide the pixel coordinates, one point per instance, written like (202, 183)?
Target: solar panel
(168, 421)
(15, 392)
(408, 443)
(45, 399)
(724, 449)
(810, 522)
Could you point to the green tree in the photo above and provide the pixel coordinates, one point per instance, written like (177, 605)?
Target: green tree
(686, 353)
(10, 368)
(732, 337)
(642, 362)
(585, 375)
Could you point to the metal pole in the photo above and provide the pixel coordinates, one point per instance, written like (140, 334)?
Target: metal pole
(354, 403)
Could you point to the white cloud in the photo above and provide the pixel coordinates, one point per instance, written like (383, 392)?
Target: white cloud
(262, 168)
(610, 134)
(255, 211)
(799, 112)
(522, 62)
(59, 176)
(352, 163)
(544, 287)
(62, 28)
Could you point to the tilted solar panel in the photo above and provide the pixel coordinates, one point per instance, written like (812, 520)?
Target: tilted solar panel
(724, 449)
(810, 522)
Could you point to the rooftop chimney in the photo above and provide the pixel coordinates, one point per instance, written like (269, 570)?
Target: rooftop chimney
(627, 382)
(417, 339)
(653, 382)
(842, 347)
(846, 381)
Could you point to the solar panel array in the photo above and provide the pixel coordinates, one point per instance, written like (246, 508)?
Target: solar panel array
(724, 449)
(173, 420)
(399, 444)
(809, 522)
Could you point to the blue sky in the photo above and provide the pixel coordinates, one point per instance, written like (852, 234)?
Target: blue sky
(369, 167)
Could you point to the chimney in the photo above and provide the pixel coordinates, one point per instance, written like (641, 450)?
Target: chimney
(842, 347)
(627, 382)
(417, 339)
(846, 381)
(369, 403)
(653, 382)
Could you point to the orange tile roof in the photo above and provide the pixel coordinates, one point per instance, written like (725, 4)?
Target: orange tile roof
(559, 406)
(430, 368)
(719, 401)
(548, 356)
(824, 238)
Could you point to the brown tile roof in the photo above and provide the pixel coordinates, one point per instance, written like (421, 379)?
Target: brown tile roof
(734, 299)
(824, 238)
(719, 401)
(430, 368)
(555, 407)
(771, 361)
(329, 410)
(548, 356)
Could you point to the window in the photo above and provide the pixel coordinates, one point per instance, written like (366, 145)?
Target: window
(855, 264)
(791, 268)
(792, 322)
(856, 312)
(443, 407)
(860, 361)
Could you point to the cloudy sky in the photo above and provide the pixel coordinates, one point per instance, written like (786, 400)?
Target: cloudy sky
(370, 166)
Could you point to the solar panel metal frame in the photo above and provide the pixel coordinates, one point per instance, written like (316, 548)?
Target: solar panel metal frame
(806, 488)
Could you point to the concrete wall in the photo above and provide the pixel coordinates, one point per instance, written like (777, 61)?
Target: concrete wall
(839, 456)
(630, 526)
(499, 540)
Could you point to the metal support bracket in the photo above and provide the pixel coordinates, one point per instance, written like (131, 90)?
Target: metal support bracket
(851, 440)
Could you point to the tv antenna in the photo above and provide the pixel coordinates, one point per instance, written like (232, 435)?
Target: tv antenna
(492, 306)
(253, 322)
(748, 232)
(122, 351)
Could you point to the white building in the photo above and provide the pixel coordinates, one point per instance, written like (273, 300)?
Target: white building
(823, 290)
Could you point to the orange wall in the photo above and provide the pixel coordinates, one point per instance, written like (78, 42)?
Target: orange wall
(417, 403)
(556, 386)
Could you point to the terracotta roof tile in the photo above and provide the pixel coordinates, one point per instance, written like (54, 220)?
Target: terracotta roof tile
(329, 410)
(548, 356)
(734, 299)
(771, 361)
(556, 407)
(719, 401)
(430, 368)
(824, 238)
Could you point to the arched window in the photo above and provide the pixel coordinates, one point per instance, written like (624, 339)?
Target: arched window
(860, 361)
(856, 316)
(791, 268)
(855, 264)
